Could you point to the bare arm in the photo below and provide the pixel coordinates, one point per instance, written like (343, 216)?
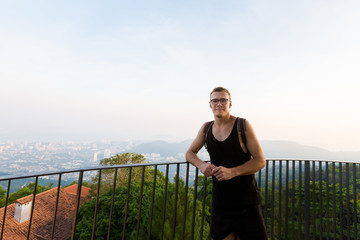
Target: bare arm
(250, 167)
(191, 154)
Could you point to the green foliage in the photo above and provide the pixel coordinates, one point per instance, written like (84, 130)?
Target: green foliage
(322, 198)
(2, 197)
(107, 175)
(39, 188)
(22, 192)
(2, 192)
(162, 215)
(123, 158)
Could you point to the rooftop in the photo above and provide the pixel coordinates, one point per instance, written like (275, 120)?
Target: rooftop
(44, 210)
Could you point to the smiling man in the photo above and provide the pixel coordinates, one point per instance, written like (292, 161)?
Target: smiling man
(235, 155)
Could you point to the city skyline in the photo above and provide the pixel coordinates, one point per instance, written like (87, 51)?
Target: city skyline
(124, 70)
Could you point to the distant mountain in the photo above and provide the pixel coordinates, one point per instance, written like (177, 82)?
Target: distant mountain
(287, 149)
(166, 149)
(272, 149)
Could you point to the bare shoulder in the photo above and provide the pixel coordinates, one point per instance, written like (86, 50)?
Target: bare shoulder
(253, 143)
(248, 127)
(199, 140)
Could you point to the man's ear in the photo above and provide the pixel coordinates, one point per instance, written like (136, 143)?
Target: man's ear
(230, 104)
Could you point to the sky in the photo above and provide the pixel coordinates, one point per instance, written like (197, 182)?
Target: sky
(143, 70)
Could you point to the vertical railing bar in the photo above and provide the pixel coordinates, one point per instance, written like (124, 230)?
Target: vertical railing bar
(32, 207)
(78, 197)
(185, 201)
(5, 209)
(334, 201)
(327, 201)
(266, 191)
(355, 201)
(348, 199)
(203, 208)
(140, 203)
(164, 203)
(341, 201)
(299, 199)
(175, 201)
(194, 203)
(56, 207)
(314, 199)
(320, 200)
(259, 185)
(96, 206)
(293, 201)
(287, 202)
(112, 204)
(259, 178)
(127, 203)
(152, 202)
(307, 200)
(272, 199)
(280, 190)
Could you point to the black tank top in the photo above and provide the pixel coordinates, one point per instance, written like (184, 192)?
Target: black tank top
(234, 193)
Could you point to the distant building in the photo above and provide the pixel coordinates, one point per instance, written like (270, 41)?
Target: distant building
(18, 214)
(95, 157)
(107, 153)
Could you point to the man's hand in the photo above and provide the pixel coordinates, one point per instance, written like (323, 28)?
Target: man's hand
(223, 173)
(206, 169)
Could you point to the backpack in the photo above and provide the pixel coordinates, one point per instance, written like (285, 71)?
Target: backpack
(241, 127)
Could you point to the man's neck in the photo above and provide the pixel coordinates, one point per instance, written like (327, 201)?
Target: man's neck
(223, 120)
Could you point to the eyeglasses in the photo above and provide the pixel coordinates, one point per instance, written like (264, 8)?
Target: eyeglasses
(222, 101)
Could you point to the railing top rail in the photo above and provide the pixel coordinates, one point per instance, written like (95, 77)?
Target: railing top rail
(91, 169)
(312, 160)
(151, 164)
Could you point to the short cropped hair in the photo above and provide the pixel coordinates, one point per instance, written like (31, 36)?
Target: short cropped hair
(221, 89)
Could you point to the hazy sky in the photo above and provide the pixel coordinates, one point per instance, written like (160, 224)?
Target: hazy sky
(120, 70)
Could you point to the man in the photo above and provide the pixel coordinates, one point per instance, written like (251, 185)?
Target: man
(236, 209)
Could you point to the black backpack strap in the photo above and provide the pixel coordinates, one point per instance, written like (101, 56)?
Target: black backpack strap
(241, 127)
(206, 131)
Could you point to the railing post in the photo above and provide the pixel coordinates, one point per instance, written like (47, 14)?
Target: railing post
(164, 202)
(140, 203)
(185, 201)
(355, 201)
(287, 200)
(266, 191)
(203, 208)
(127, 203)
(32, 207)
(320, 199)
(194, 203)
(152, 203)
(307, 201)
(5, 209)
(96, 206)
(272, 198)
(112, 204)
(78, 197)
(56, 208)
(280, 189)
(175, 201)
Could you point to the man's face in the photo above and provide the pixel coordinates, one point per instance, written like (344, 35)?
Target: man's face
(220, 104)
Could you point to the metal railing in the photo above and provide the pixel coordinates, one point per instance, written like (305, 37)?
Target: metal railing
(301, 199)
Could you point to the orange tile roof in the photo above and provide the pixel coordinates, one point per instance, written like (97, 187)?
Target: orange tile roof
(72, 189)
(43, 216)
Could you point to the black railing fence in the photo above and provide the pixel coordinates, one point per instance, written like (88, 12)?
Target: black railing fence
(301, 199)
